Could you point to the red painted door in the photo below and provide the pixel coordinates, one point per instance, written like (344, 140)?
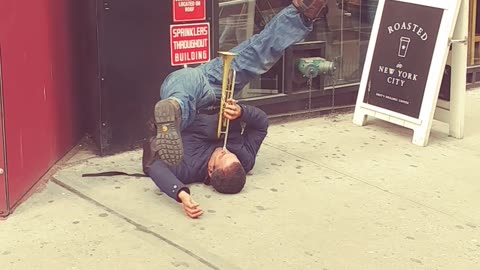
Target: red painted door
(3, 174)
(41, 101)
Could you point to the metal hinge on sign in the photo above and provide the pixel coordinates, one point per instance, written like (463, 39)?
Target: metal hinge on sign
(464, 41)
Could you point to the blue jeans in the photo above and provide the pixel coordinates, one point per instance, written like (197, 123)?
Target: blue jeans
(200, 87)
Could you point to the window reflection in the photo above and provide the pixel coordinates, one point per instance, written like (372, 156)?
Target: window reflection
(345, 25)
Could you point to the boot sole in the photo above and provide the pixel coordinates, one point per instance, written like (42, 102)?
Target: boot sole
(168, 142)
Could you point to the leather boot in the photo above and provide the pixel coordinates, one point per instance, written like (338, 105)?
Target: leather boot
(168, 141)
(149, 156)
(311, 9)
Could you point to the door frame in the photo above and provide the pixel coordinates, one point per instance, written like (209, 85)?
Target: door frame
(4, 205)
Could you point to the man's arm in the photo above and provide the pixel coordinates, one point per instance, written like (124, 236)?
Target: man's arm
(166, 180)
(174, 188)
(255, 132)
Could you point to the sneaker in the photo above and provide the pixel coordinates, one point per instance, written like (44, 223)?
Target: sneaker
(311, 9)
(168, 142)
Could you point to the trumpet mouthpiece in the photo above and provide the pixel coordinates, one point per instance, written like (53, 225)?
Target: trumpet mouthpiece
(227, 53)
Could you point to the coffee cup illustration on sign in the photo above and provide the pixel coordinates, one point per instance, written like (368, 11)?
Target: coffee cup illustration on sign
(404, 43)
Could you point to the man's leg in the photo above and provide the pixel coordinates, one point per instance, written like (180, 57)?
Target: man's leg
(259, 53)
(181, 93)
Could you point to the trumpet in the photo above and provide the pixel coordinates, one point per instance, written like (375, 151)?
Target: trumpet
(228, 85)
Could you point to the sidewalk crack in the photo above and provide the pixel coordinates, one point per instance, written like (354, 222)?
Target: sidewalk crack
(137, 225)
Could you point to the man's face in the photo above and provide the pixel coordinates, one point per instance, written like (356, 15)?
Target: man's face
(221, 159)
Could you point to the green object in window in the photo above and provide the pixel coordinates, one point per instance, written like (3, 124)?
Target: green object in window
(313, 66)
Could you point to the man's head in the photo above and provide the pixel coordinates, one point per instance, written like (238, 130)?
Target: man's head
(226, 173)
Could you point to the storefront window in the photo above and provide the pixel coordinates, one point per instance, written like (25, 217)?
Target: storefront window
(345, 26)
(474, 33)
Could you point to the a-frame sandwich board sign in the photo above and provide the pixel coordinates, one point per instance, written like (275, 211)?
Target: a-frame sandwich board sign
(405, 61)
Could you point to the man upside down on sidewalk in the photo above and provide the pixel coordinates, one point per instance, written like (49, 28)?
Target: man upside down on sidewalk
(185, 148)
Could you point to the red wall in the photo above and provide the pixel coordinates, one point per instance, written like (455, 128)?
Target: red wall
(42, 102)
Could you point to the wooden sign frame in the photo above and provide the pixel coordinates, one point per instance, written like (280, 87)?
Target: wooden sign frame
(421, 125)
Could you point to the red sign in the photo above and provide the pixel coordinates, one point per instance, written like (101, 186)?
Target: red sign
(189, 10)
(190, 44)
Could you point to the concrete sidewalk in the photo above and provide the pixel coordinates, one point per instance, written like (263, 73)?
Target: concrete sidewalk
(325, 194)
